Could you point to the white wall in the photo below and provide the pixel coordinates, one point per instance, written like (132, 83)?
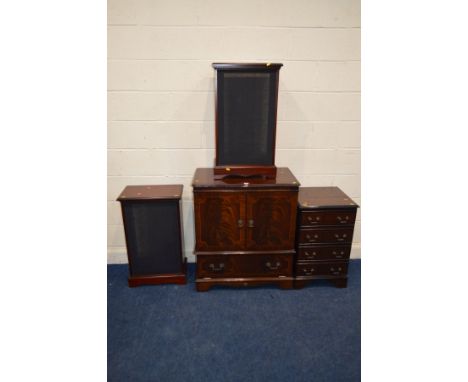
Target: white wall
(161, 101)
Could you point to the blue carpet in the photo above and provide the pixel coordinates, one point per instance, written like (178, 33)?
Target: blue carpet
(173, 333)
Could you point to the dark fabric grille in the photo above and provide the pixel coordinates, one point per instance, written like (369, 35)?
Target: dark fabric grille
(246, 118)
(153, 236)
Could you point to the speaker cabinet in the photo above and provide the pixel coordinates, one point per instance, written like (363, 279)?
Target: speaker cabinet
(246, 106)
(152, 220)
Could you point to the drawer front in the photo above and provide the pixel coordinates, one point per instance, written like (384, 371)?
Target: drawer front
(327, 217)
(227, 266)
(322, 269)
(332, 235)
(324, 253)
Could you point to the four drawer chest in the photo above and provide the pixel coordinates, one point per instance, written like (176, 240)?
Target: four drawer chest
(325, 225)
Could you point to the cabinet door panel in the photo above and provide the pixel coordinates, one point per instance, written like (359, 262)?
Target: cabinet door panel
(219, 221)
(271, 220)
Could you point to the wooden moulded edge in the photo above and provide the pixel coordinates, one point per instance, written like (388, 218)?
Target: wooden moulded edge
(170, 278)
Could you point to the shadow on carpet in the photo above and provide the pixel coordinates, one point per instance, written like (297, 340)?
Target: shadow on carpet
(173, 333)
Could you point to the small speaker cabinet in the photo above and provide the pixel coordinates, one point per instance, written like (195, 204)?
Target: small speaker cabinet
(246, 106)
(152, 220)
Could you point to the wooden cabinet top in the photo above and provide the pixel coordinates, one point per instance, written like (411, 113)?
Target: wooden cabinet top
(324, 197)
(233, 66)
(151, 192)
(204, 178)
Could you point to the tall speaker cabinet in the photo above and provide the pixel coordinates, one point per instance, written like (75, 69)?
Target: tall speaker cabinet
(153, 233)
(245, 229)
(245, 118)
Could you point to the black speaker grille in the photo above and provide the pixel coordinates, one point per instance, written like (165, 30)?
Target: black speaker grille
(246, 114)
(153, 236)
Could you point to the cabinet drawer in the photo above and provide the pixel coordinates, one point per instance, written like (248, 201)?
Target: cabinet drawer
(324, 253)
(322, 269)
(228, 266)
(328, 217)
(326, 235)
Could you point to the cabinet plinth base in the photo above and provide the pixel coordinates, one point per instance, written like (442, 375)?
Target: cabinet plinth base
(171, 278)
(204, 285)
(339, 282)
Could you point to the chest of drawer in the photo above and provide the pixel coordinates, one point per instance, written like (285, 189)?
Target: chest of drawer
(322, 269)
(231, 266)
(324, 253)
(325, 235)
(327, 217)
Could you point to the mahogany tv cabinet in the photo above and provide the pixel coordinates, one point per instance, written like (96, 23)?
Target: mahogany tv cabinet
(244, 229)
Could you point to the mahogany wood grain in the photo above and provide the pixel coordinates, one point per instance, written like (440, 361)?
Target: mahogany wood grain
(311, 268)
(320, 252)
(173, 278)
(147, 192)
(204, 178)
(221, 172)
(328, 217)
(271, 220)
(247, 66)
(219, 221)
(235, 266)
(324, 197)
(317, 235)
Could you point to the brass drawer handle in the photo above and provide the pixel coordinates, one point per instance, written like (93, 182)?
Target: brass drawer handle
(335, 272)
(317, 218)
(308, 237)
(273, 267)
(338, 256)
(219, 269)
(310, 255)
(240, 223)
(251, 223)
(307, 272)
(340, 238)
(343, 221)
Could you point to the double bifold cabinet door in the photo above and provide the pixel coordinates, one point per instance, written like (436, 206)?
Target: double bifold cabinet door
(245, 220)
